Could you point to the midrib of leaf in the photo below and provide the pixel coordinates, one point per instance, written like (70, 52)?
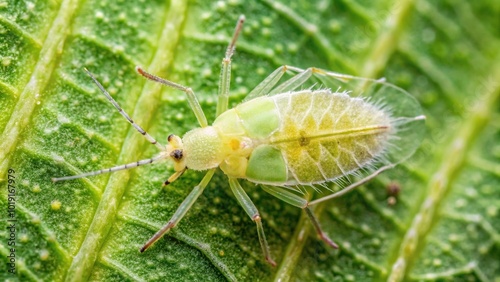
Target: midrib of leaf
(453, 161)
(295, 246)
(30, 95)
(388, 39)
(384, 46)
(82, 264)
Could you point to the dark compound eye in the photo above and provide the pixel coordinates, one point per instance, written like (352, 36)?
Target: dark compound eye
(176, 154)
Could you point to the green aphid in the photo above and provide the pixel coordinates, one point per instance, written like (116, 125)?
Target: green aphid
(283, 138)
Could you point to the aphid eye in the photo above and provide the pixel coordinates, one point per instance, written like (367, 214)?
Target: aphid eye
(176, 154)
(169, 138)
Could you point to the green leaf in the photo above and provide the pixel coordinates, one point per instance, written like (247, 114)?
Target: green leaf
(443, 225)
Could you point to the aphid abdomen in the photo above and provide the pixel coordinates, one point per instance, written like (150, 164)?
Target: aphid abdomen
(325, 135)
(302, 137)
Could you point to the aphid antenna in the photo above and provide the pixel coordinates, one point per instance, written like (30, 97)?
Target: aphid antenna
(236, 34)
(163, 151)
(157, 158)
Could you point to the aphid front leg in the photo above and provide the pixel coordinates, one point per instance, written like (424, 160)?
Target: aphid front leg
(225, 73)
(192, 100)
(181, 210)
(302, 203)
(252, 211)
(174, 177)
(163, 150)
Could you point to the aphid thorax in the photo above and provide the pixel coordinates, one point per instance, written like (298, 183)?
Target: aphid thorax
(203, 148)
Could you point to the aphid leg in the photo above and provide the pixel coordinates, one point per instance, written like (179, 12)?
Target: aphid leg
(225, 73)
(303, 75)
(112, 169)
(320, 231)
(252, 211)
(174, 177)
(321, 74)
(124, 114)
(272, 80)
(353, 186)
(340, 76)
(267, 84)
(296, 200)
(181, 210)
(192, 100)
(294, 82)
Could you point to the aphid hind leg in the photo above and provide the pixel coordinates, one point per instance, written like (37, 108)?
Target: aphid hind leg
(194, 104)
(225, 73)
(124, 114)
(353, 186)
(302, 203)
(318, 228)
(294, 82)
(181, 210)
(252, 211)
(267, 84)
(322, 74)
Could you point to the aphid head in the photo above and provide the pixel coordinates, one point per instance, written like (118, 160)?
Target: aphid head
(175, 150)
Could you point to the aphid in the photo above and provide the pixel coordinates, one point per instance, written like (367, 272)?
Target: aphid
(283, 138)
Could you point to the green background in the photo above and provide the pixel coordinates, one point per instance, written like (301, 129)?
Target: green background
(445, 224)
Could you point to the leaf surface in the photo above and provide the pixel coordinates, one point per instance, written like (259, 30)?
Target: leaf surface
(444, 224)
